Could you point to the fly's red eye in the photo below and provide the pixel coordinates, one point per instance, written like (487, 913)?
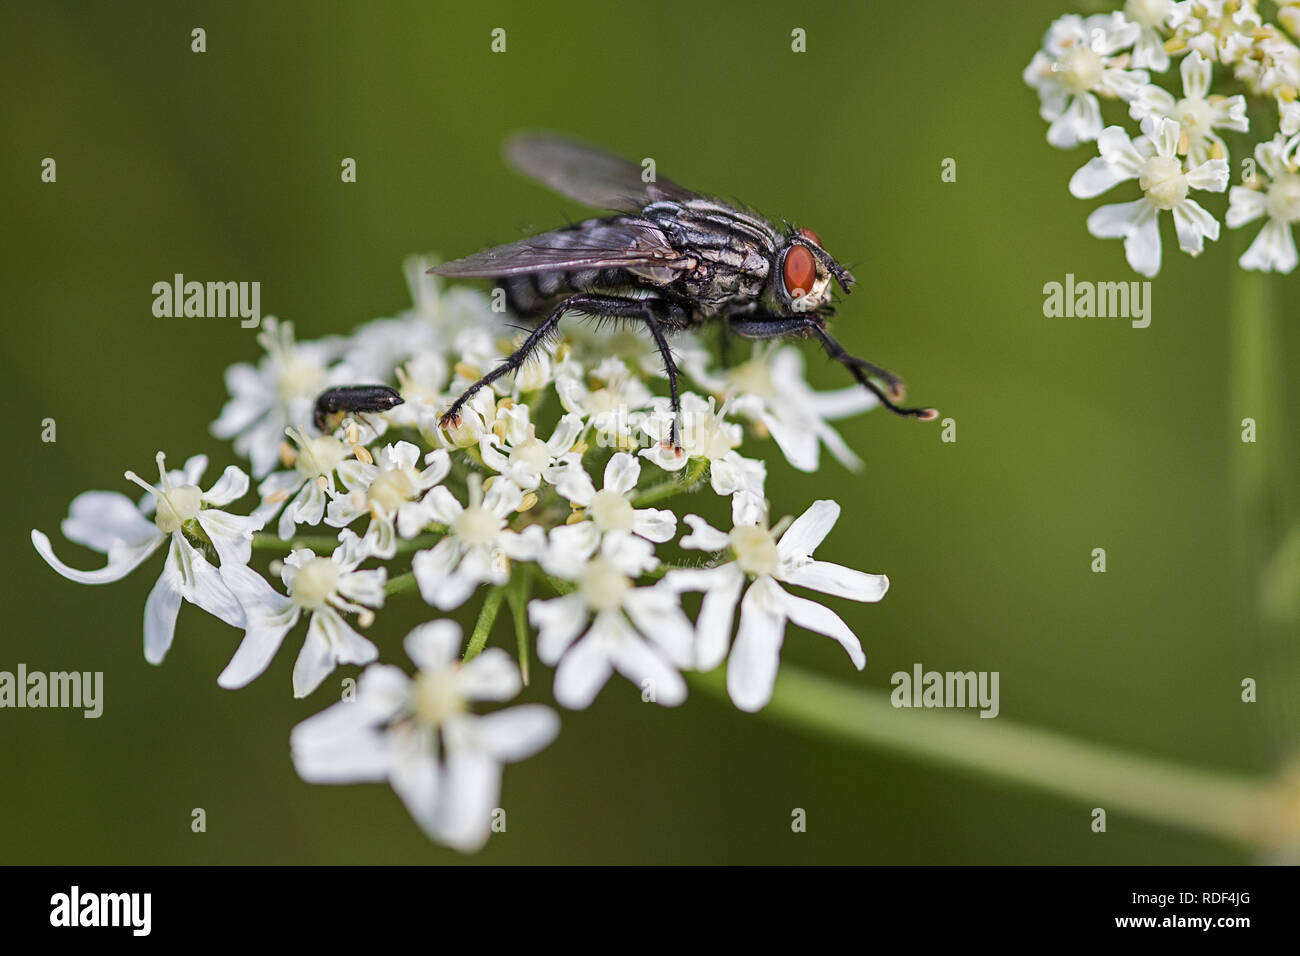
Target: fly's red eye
(811, 237)
(799, 271)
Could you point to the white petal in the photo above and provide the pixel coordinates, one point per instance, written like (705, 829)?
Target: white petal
(1080, 123)
(621, 473)
(581, 674)
(433, 566)
(703, 536)
(1095, 177)
(1197, 72)
(1193, 224)
(100, 519)
(470, 789)
(559, 621)
(252, 657)
(1273, 249)
(442, 505)
(654, 524)
(202, 584)
(756, 653)
(160, 611)
(1118, 219)
(315, 660)
(492, 675)
(122, 559)
(516, 733)
(1244, 205)
(839, 581)
(721, 587)
(816, 617)
(1211, 175)
(433, 645)
(647, 668)
(231, 535)
(416, 778)
(808, 530)
(231, 486)
(657, 614)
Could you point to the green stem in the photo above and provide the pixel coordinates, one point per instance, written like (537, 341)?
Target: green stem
(400, 584)
(486, 618)
(1260, 496)
(1218, 804)
(517, 592)
(696, 470)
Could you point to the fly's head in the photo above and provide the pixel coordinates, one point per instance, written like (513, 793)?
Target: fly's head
(805, 272)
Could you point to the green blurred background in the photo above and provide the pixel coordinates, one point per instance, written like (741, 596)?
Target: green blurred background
(1072, 433)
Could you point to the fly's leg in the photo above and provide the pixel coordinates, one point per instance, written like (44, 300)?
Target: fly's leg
(860, 369)
(659, 315)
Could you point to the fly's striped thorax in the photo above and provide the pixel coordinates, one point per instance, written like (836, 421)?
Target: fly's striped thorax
(735, 250)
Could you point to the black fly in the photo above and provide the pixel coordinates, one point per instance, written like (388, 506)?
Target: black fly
(354, 398)
(671, 258)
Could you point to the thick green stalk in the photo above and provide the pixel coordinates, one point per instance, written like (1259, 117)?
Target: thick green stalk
(1259, 472)
(1222, 805)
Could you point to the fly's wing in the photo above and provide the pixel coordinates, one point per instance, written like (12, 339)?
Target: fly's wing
(633, 244)
(587, 174)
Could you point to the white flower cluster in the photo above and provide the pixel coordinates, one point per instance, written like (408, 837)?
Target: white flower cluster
(1113, 56)
(542, 498)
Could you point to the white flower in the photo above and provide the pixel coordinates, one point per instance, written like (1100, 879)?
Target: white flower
(610, 509)
(770, 389)
(390, 490)
(608, 624)
(281, 391)
(705, 434)
(420, 736)
(323, 587)
(421, 382)
(477, 547)
(1165, 183)
(1077, 62)
(612, 407)
(110, 523)
(1278, 198)
(513, 449)
(1214, 28)
(305, 487)
(477, 417)
(765, 557)
(1149, 47)
(1198, 113)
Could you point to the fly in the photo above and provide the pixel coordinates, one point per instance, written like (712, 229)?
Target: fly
(670, 258)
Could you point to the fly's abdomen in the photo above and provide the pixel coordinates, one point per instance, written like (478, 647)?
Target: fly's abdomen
(538, 292)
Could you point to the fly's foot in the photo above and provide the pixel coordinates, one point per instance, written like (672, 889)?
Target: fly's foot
(450, 420)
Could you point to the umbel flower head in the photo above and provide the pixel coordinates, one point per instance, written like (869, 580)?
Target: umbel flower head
(1174, 134)
(557, 496)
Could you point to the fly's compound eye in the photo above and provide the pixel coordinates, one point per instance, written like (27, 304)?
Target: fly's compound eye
(811, 237)
(799, 271)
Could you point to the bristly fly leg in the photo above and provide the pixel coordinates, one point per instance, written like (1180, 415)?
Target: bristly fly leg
(660, 316)
(862, 370)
